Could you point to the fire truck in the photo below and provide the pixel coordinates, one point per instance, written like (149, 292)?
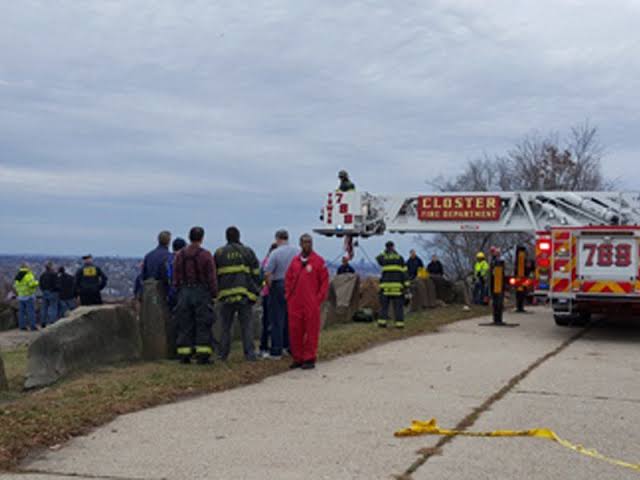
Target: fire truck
(587, 244)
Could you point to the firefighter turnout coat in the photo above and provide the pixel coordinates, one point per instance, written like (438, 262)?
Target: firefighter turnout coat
(394, 280)
(238, 272)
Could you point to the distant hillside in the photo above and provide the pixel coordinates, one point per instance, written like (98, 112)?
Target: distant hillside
(121, 271)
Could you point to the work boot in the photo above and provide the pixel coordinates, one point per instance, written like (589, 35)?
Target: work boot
(382, 323)
(308, 365)
(203, 360)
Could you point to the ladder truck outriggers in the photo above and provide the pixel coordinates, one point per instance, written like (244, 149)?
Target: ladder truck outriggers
(587, 244)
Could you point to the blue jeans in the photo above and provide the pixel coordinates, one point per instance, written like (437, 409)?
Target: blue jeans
(27, 313)
(66, 306)
(278, 318)
(49, 312)
(479, 292)
(266, 325)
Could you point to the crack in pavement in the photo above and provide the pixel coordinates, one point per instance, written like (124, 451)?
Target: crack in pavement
(470, 420)
(28, 471)
(575, 395)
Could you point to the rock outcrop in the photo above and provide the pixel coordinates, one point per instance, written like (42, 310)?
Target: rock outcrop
(157, 328)
(343, 300)
(89, 337)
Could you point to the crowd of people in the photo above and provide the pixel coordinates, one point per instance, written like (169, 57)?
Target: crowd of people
(60, 291)
(290, 282)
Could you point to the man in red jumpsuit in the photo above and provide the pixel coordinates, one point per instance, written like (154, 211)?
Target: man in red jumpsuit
(306, 286)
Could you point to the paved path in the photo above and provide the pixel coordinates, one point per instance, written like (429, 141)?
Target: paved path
(337, 422)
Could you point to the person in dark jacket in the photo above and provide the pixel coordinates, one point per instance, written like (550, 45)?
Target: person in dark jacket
(90, 281)
(172, 294)
(435, 267)
(345, 267)
(394, 284)
(67, 292)
(238, 271)
(413, 264)
(155, 263)
(194, 276)
(346, 185)
(49, 286)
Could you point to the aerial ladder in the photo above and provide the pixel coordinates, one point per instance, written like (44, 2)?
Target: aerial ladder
(587, 243)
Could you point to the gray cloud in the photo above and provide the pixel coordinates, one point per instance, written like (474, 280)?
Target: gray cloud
(131, 116)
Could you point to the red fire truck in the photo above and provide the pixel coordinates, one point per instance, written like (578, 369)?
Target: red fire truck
(586, 270)
(587, 243)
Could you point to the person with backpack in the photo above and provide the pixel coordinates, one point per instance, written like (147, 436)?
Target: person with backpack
(26, 285)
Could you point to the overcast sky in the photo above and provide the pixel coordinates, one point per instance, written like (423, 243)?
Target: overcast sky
(121, 118)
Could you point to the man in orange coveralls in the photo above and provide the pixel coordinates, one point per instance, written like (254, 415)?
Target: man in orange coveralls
(306, 286)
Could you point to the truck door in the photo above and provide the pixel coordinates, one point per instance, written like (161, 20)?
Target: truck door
(607, 262)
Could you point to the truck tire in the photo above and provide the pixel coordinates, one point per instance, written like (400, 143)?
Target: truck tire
(562, 320)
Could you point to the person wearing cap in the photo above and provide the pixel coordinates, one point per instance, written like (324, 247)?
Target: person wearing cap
(194, 276)
(345, 267)
(155, 263)
(275, 273)
(306, 287)
(238, 271)
(346, 185)
(394, 284)
(90, 281)
(50, 295)
(481, 279)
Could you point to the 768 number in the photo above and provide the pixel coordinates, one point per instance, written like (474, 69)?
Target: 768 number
(608, 255)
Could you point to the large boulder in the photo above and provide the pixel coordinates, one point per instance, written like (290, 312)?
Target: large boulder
(343, 299)
(3, 376)
(423, 294)
(370, 294)
(157, 328)
(89, 337)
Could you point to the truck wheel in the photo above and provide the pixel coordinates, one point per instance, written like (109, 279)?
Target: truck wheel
(562, 320)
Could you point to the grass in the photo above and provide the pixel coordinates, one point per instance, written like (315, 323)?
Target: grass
(53, 415)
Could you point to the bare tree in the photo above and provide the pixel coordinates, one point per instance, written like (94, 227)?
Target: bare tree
(535, 163)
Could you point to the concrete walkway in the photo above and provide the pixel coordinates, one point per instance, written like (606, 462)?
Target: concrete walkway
(337, 422)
